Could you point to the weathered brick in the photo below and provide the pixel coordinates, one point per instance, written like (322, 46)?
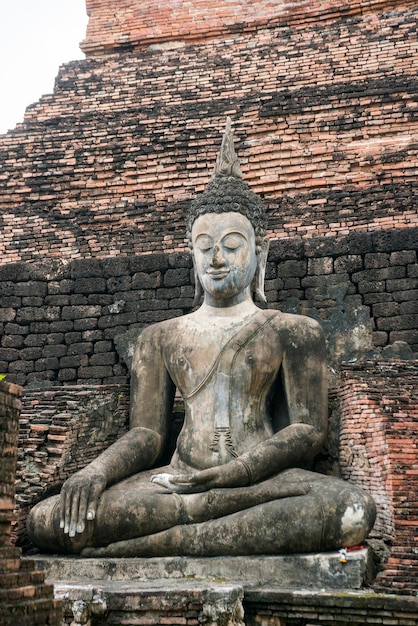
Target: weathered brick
(323, 265)
(116, 320)
(400, 322)
(403, 257)
(80, 312)
(103, 358)
(376, 260)
(97, 371)
(142, 280)
(349, 263)
(177, 277)
(61, 326)
(67, 362)
(43, 364)
(36, 340)
(89, 285)
(7, 314)
(12, 341)
(67, 374)
(402, 285)
(31, 288)
(292, 268)
(54, 350)
(80, 348)
(89, 323)
(385, 309)
(119, 283)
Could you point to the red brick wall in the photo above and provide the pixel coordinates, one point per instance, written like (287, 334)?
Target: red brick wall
(130, 24)
(379, 451)
(61, 430)
(10, 404)
(25, 599)
(324, 102)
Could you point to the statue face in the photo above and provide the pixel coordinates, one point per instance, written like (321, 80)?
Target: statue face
(224, 256)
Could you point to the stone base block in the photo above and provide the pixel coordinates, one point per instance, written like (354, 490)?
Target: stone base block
(321, 570)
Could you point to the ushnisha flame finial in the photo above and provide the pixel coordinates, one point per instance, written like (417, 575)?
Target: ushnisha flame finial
(227, 163)
(227, 191)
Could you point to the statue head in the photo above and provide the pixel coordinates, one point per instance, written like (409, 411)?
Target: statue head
(227, 192)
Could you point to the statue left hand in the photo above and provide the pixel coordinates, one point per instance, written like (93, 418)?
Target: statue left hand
(229, 475)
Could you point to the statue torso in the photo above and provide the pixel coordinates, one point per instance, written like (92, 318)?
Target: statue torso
(224, 370)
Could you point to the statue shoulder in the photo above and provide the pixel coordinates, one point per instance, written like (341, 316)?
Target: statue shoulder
(160, 332)
(301, 326)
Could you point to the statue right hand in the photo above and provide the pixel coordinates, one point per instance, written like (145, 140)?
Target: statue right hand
(80, 496)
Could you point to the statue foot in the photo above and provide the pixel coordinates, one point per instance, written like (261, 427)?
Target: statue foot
(95, 552)
(128, 548)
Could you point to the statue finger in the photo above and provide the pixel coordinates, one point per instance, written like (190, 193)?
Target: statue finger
(96, 491)
(164, 480)
(66, 497)
(92, 552)
(82, 510)
(62, 509)
(75, 500)
(183, 479)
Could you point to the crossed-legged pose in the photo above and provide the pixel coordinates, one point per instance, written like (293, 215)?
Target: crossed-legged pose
(254, 387)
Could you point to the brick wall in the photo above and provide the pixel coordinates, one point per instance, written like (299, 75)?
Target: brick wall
(278, 607)
(25, 599)
(59, 319)
(324, 102)
(61, 431)
(127, 25)
(379, 427)
(10, 404)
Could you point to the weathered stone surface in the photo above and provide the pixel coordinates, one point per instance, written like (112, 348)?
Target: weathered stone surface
(292, 571)
(159, 602)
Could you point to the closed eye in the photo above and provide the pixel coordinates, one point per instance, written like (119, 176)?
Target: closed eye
(233, 241)
(204, 243)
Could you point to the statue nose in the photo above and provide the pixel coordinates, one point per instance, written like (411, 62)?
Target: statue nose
(217, 258)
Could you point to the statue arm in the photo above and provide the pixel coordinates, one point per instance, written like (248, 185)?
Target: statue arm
(152, 394)
(304, 372)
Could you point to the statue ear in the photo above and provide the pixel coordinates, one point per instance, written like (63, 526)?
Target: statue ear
(261, 270)
(198, 289)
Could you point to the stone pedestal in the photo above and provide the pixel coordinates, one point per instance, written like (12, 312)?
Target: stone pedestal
(189, 591)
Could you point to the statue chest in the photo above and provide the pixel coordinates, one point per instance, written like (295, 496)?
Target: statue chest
(245, 366)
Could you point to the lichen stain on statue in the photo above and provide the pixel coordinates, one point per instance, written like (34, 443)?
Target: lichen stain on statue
(254, 387)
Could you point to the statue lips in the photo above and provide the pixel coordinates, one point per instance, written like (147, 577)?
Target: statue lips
(217, 274)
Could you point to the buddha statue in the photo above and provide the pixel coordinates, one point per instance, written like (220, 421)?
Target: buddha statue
(254, 385)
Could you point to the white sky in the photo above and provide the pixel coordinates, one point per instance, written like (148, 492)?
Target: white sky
(36, 37)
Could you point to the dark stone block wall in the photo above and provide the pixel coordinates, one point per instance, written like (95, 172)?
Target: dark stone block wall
(59, 319)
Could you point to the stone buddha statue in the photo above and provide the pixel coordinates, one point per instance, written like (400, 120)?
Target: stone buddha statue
(254, 385)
